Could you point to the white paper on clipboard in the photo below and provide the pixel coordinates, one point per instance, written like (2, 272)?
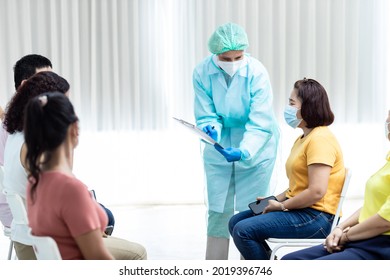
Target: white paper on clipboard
(198, 132)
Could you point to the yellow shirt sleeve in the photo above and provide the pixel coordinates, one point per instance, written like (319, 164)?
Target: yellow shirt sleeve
(384, 211)
(321, 150)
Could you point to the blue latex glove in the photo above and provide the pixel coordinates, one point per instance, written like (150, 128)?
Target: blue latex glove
(210, 131)
(231, 154)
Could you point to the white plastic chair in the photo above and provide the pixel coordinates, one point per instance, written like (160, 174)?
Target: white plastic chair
(298, 242)
(6, 230)
(7, 233)
(19, 214)
(45, 247)
(17, 207)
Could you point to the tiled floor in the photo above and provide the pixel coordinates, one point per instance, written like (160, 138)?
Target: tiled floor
(169, 232)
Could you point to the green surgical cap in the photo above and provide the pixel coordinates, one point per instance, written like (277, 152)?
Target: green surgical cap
(228, 37)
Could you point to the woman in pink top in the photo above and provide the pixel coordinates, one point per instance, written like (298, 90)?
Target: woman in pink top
(58, 204)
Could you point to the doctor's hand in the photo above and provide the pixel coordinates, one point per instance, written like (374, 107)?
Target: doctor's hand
(210, 131)
(231, 154)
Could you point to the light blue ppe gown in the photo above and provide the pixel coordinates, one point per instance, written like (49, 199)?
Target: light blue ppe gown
(243, 116)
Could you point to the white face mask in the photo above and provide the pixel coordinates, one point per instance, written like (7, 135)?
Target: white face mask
(230, 67)
(387, 130)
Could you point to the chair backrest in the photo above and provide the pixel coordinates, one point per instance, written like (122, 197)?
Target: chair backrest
(348, 174)
(17, 207)
(20, 219)
(45, 247)
(7, 231)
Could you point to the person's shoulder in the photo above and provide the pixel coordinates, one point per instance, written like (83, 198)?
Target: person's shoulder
(253, 61)
(324, 133)
(205, 62)
(256, 67)
(66, 180)
(71, 180)
(205, 67)
(15, 139)
(320, 131)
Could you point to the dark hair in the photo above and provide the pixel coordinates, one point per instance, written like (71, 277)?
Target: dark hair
(39, 83)
(46, 123)
(315, 109)
(27, 66)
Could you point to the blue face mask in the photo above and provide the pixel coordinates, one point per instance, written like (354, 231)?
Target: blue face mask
(290, 115)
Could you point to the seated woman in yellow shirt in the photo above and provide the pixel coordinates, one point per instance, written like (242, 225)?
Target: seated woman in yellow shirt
(315, 169)
(365, 235)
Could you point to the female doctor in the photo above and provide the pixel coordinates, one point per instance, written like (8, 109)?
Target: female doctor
(233, 105)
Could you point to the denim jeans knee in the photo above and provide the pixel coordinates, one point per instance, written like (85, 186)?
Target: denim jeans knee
(250, 232)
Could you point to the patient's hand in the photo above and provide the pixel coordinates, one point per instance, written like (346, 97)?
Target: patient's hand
(273, 205)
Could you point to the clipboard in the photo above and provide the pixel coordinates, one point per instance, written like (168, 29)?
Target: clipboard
(194, 129)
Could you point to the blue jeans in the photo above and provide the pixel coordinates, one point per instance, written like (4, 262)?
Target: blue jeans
(249, 232)
(111, 219)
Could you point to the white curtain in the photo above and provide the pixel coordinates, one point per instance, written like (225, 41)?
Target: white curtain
(130, 62)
